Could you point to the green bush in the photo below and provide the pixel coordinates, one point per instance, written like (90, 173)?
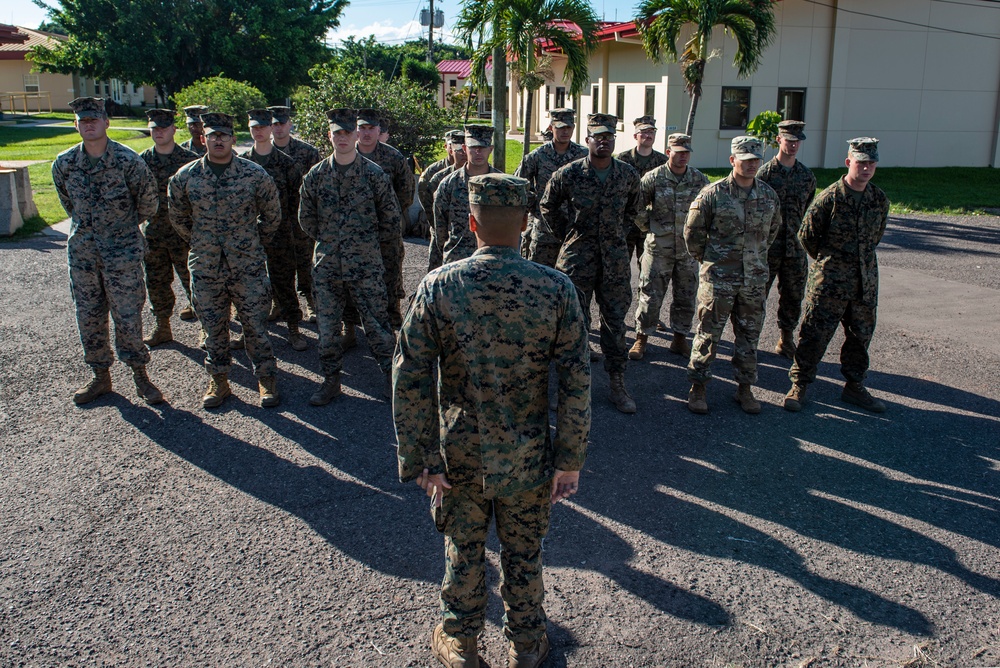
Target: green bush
(422, 73)
(764, 126)
(222, 94)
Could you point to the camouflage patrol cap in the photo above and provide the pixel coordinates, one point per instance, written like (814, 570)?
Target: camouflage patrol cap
(679, 141)
(451, 133)
(280, 114)
(458, 137)
(218, 122)
(160, 118)
(747, 148)
(88, 107)
(644, 123)
(498, 190)
(343, 118)
(864, 149)
(194, 113)
(369, 117)
(258, 117)
(792, 130)
(563, 117)
(600, 123)
(479, 135)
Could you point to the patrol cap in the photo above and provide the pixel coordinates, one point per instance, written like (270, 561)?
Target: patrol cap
(88, 107)
(747, 148)
(679, 141)
(369, 117)
(218, 122)
(599, 123)
(280, 114)
(479, 135)
(563, 117)
(458, 137)
(864, 149)
(449, 134)
(792, 130)
(258, 117)
(343, 118)
(160, 118)
(644, 123)
(498, 190)
(194, 112)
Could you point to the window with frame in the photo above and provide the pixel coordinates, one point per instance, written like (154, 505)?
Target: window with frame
(560, 97)
(735, 111)
(548, 97)
(31, 84)
(620, 104)
(595, 100)
(649, 109)
(792, 104)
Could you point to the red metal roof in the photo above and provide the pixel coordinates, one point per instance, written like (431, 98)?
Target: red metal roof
(32, 38)
(461, 68)
(10, 35)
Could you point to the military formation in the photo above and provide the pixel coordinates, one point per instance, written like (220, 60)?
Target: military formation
(504, 310)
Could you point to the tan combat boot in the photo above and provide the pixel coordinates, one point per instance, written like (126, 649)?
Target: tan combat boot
(203, 339)
(218, 390)
(327, 392)
(268, 388)
(144, 387)
(786, 344)
(697, 403)
(310, 315)
(275, 312)
(455, 652)
(187, 313)
(295, 338)
(795, 397)
(680, 345)
(161, 332)
(98, 385)
(744, 397)
(619, 395)
(638, 348)
(350, 339)
(857, 394)
(528, 655)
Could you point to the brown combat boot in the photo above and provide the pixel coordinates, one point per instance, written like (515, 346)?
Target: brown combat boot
(187, 313)
(98, 385)
(161, 332)
(638, 348)
(310, 315)
(796, 397)
(295, 338)
(218, 390)
(455, 652)
(528, 655)
(144, 387)
(327, 392)
(697, 403)
(680, 345)
(858, 394)
(268, 388)
(350, 339)
(275, 312)
(786, 344)
(619, 395)
(744, 397)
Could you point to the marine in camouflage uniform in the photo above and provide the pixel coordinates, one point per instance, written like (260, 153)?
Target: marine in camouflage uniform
(106, 189)
(192, 115)
(226, 207)
(666, 193)
(435, 248)
(601, 196)
(645, 159)
(347, 206)
(786, 259)
(454, 140)
(478, 440)
(840, 232)
(166, 252)
(728, 230)
(538, 167)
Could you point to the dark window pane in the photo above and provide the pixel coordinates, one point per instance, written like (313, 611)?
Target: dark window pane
(594, 98)
(792, 104)
(650, 107)
(735, 108)
(620, 104)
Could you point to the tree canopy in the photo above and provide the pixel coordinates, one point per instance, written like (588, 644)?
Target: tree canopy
(369, 54)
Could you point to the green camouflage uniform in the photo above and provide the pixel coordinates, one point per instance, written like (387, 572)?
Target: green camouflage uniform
(592, 219)
(105, 249)
(786, 259)
(840, 234)
(280, 248)
(643, 164)
(492, 323)
(667, 198)
(353, 216)
(435, 253)
(166, 252)
(197, 150)
(729, 231)
(226, 220)
(451, 216)
(538, 167)
(305, 156)
(424, 192)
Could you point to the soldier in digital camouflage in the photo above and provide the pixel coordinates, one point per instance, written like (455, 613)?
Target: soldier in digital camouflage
(166, 252)
(786, 259)
(192, 116)
(434, 248)
(424, 194)
(841, 230)
(538, 167)
(348, 208)
(645, 159)
(478, 440)
(666, 193)
(226, 208)
(280, 248)
(729, 228)
(589, 205)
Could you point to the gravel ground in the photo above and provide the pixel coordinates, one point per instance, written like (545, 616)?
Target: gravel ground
(170, 535)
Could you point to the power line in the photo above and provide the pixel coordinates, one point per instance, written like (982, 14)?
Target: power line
(912, 23)
(971, 4)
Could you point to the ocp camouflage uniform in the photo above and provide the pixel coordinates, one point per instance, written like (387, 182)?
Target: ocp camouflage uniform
(106, 199)
(642, 164)
(729, 231)
(592, 227)
(435, 254)
(666, 198)
(538, 167)
(305, 155)
(840, 233)
(353, 216)
(786, 259)
(226, 220)
(197, 150)
(451, 216)
(166, 252)
(492, 323)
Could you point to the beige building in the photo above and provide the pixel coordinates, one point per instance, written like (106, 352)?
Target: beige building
(923, 76)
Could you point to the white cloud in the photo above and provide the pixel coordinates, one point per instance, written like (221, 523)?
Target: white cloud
(386, 33)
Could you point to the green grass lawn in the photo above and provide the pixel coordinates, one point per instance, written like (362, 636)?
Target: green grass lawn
(67, 117)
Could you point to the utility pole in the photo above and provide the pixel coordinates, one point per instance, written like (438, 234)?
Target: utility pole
(430, 35)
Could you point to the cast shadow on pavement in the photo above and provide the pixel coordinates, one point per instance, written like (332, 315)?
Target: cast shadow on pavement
(932, 236)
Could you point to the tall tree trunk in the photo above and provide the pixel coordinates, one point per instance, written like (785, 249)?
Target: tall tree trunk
(529, 102)
(500, 109)
(694, 107)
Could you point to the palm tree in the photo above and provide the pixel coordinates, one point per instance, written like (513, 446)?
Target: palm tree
(521, 28)
(749, 22)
